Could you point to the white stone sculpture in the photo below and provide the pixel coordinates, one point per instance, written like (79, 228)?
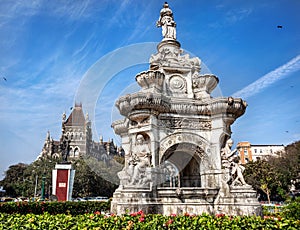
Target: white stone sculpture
(142, 155)
(166, 21)
(230, 162)
(138, 161)
(227, 154)
(237, 172)
(171, 135)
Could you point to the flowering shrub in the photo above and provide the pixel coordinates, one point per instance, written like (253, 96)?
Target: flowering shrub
(96, 220)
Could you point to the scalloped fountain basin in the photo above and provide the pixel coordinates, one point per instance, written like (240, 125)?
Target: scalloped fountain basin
(150, 80)
(203, 85)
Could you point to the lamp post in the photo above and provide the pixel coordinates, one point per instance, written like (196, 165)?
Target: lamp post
(35, 187)
(43, 189)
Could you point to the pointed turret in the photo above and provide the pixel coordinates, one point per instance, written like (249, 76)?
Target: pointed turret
(76, 117)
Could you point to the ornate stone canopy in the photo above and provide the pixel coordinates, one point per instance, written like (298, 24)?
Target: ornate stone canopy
(173, 134)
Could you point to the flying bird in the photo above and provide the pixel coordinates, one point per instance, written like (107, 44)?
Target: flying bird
(71, 108)
(4, 79)
(279, 27)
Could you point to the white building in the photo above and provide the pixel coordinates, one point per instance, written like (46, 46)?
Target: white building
(249, 152)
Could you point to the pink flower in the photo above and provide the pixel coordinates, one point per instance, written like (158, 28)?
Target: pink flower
(173, 214)
(142, 219)
(220, 215)
(97, 213)
(169, 222)
(140, 212)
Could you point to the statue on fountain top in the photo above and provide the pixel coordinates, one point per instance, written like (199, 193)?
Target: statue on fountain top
(166, 21)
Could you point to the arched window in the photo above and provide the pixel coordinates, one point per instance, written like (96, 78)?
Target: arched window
(71, 151)
(171, 175)
(76, 152)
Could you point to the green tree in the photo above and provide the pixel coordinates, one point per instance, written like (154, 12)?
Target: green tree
(20, 179)
(288, 167)
(263, 177)
(94, 178)
(273, 176)
(14, 181)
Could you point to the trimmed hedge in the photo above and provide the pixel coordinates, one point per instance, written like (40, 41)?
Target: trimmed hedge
(73, 208)
(292, 210)
(141, 221)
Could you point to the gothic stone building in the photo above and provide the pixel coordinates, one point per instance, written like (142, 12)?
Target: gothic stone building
(76, 139)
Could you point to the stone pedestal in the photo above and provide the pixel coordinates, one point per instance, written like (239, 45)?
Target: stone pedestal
(62, 181)
(241, 201)
(133, 200)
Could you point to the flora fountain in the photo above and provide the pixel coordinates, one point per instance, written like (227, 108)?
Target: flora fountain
(176, 137)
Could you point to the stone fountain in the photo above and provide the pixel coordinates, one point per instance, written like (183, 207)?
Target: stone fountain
(176, 137)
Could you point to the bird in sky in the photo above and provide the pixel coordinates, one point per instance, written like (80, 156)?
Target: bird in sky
(4, 79)
(279, 27)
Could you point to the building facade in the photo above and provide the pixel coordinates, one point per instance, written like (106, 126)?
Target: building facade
(77, 141)
(249, 152)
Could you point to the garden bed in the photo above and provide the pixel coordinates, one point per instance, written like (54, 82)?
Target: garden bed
(138, 220)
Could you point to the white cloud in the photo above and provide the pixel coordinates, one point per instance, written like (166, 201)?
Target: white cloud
(270, 78)
(118, 19)
(142, 25)
(235, 15)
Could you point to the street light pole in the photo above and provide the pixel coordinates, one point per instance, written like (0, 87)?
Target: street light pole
(43, 188)
(35, 187)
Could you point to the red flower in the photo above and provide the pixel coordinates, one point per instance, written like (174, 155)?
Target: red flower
(220, 215)
(141, 219)
(173, 214)
(140, 212)
(169, 222)
(97, 213)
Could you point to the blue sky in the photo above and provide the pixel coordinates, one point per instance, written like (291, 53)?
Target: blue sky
(48, 47)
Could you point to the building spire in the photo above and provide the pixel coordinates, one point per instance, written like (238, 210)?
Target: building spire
(48, 135)
(166, 21)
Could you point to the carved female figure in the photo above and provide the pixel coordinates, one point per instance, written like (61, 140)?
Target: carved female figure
(167, 22)
(227, 154)
(140, 159)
